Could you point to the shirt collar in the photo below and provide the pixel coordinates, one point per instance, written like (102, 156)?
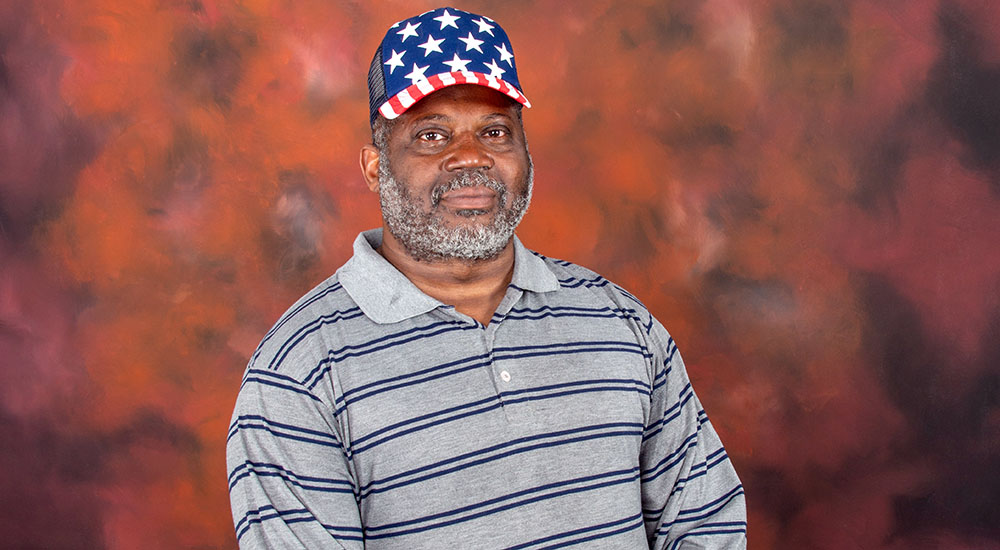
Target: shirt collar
(530, 271)
(385, 295)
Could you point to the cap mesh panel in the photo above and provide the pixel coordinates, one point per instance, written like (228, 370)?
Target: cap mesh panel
(376, 86)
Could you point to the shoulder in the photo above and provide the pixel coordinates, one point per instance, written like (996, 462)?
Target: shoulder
(303, 333)
(586, 284)
(573, 276)
(584, 289)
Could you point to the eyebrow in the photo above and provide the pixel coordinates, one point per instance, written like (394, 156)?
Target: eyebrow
(431, 116)
(494, 116)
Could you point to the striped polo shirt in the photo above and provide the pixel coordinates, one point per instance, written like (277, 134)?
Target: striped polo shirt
(374, 416)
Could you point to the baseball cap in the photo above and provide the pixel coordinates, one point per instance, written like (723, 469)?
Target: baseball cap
(436, 49)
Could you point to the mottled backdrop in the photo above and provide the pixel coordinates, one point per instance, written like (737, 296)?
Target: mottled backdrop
(805, 192)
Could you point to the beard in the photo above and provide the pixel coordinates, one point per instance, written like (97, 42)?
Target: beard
(427, 236)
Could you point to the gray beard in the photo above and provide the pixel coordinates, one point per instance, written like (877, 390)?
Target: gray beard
(427, 237)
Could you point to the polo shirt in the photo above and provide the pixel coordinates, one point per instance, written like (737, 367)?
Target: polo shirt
(374, 416)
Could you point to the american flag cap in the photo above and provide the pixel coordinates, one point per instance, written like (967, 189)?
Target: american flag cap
(436, 49)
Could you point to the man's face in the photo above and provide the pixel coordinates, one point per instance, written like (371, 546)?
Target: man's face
(456, 177)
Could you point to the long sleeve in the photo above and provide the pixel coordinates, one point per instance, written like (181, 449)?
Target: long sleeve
(691, 495)
(290, 484)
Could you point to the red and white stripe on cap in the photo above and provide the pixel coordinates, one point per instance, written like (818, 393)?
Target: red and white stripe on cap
(399, 103)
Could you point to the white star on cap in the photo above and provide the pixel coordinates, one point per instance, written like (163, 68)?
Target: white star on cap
(471, 43)
(484, 26)
(495, 70)
(456, 64)
(447, 20)
(417, 74)
(396, 60)
(432, 45)
(409, 30)
(504, 54)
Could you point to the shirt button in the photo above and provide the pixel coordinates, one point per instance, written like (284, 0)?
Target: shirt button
(505, 376)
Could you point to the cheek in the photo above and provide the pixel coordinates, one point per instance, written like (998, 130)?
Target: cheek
(418, 180)
(516, 175)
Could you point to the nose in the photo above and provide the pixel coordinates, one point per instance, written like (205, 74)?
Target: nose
(466, 153)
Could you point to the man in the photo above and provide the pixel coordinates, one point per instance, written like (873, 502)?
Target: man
(448, 388)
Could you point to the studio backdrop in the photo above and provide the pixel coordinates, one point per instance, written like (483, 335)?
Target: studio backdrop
(805, 192)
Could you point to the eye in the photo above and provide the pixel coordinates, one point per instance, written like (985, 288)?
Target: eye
(497, 132)
(430, 135)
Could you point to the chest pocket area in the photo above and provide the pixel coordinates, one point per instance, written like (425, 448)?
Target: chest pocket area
(575, 384)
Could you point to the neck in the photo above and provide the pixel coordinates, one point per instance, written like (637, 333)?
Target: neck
(473, 287)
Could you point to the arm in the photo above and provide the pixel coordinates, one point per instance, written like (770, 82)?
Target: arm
(290, 485)
(691, 496)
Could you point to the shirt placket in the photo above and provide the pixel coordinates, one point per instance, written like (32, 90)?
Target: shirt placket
(506, 377)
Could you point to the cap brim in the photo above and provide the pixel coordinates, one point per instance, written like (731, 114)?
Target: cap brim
(399, 103)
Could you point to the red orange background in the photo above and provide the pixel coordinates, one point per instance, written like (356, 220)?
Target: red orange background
(805, 192)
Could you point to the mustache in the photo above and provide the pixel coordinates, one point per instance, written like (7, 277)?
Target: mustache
(469, 178)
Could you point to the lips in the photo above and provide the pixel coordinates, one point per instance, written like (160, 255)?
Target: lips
(469, 198)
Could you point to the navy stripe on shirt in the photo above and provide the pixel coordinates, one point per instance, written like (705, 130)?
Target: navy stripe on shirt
(502, 503)
(617, 527)
(500, 451)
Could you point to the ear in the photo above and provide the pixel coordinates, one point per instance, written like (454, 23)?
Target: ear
(369, 166)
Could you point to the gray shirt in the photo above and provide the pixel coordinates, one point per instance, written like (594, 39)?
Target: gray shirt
(374, 416)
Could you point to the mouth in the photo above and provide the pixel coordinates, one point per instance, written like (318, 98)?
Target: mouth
(477, 198)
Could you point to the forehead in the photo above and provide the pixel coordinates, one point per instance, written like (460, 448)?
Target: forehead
(461, 102)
